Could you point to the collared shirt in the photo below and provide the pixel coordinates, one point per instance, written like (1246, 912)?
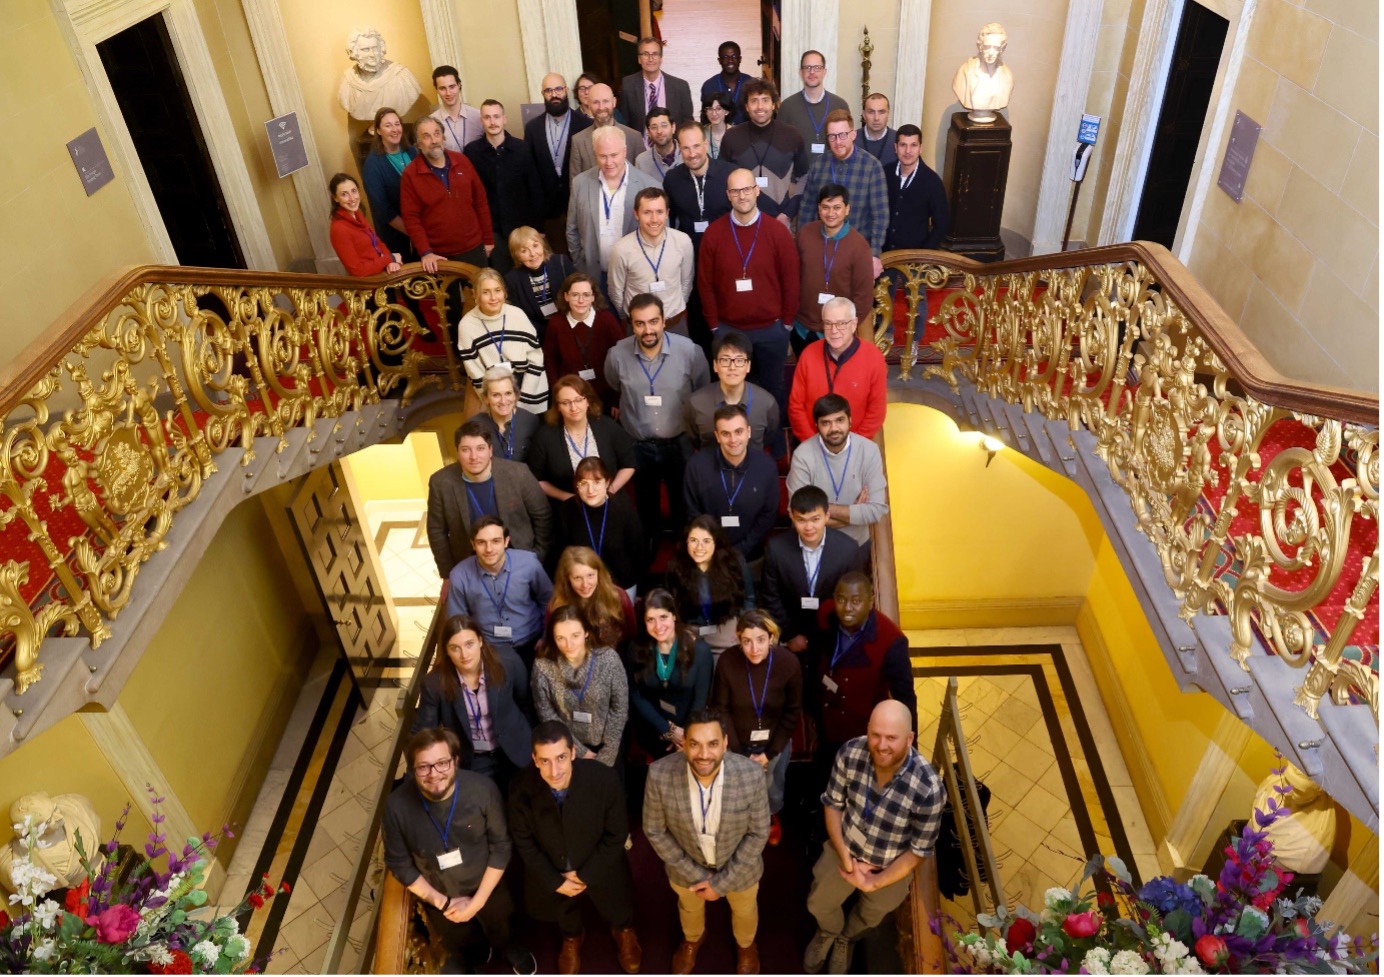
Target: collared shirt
(456, 133)
(812, 562)
(413, 840)
(706, 812)
(514, 598)
(611, 217)
(559, 132)
(671, 376)
(632, 263)
(479, 725)
(863, 177)
(880, 825)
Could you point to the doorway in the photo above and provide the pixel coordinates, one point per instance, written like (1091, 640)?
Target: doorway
(693, 31)
(149, 88)
(1196, 57)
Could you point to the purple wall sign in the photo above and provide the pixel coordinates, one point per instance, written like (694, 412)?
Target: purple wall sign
(1239, 153)
(93, 165)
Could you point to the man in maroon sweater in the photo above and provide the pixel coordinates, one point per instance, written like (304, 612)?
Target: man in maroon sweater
(747, 276)
(443, 204)
(836, 260)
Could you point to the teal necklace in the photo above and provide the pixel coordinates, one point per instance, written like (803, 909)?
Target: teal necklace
(664, 664)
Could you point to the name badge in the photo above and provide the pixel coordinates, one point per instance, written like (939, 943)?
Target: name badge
(657, 286)
(730, 522)
(810, 603)
(761, 181)
(831, 686)
(667, 707)
(819, 147)
(856, 837)
(699, 227)
(759, 736)
(504, 631)
(482, 746)
(824, 297)
(449, 859)
(744, 285)
(548, 308)
(706, 629)
(653, 400)
(581, 717)
(587, 374)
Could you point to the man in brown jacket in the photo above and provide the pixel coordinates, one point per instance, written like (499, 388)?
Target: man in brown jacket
(836, 260)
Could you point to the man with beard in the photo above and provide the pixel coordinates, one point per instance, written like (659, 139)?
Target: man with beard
(446, 841)
(602, 101)
(696, 187)
(883, 810)
(443, 203)
(771, 149)
(845, 465)
(549, 140)
(662, 154)
(861, 175)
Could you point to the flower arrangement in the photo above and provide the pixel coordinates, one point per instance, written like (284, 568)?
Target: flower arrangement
(127, 916)
(1242, 922)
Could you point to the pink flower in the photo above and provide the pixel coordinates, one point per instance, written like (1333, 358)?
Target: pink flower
(1081, 925)
(1212, 951)
(115, 924)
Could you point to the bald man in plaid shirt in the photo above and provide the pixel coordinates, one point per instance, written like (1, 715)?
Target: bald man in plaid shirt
(883, 808)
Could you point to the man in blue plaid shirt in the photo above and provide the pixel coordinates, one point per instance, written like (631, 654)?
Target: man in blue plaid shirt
(883, 808)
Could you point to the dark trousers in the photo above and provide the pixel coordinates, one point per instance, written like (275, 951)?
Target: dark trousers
(612, 899)
(802, 337)
(490, 924)
(660, 462)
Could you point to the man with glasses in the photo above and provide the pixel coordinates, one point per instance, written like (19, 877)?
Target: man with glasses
(846, 466)
(730, 80)
(649, 88)
(730, 357)
(446, 841)
(747, 277)
(836, 260)
(662, 154)
(461, 123)
(653, 258)
(807, 110)
(845, 365)
(858, 172)
(549, 140)
(602, 101)
(771, 149)
(505, 590)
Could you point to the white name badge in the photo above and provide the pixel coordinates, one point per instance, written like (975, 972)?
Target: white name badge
(730, 522)
(587, 374)
(810, 603)
(657, 286)
(581, 717)
(706, 629)
(831, 686)
(824, 297)
(761, 181)
(504, 631)
(482, 746)
(856, 837)
(667, 707)
(699, 227)
(548, 308)
(449, 859)
(759, 736)
(744, 285)
(819, 147)
(653, 400)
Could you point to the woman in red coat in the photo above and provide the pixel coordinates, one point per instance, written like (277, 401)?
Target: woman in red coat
(353, 236)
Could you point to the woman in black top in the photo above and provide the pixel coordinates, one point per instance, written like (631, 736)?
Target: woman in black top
(711, 582)
(537, 275)
(607, 523)
(510, 430)
(575, 430)
(670, 675)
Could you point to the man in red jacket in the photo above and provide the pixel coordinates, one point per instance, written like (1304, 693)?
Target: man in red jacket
(443, 204)
(843, 364)
(747, 276)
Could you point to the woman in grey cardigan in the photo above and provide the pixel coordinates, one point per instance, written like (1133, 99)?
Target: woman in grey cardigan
(585, 688)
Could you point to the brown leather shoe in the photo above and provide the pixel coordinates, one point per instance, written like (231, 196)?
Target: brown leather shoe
(747, 959)
(628, 950)
(569, 957)
(685, 956)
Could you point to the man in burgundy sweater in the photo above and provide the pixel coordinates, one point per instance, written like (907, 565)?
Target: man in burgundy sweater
(443, 203)
(747, 276)
(836, 260)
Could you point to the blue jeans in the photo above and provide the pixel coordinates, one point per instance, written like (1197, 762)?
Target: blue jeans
(778, 775)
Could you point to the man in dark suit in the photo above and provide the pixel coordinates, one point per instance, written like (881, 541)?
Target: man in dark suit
(481, 485)
(569, 825)
(549, 141)
(802, 567)
(506, 169)
(649, 86)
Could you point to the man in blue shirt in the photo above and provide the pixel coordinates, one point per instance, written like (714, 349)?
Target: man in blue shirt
(737, 485)
(505, 590)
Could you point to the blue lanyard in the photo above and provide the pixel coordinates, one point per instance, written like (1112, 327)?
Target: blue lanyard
(655, 156)
(473, 706)
(661, 248)
(704, 597)
(812, 577)
(607, 201)
(828, 265)
(508, 445)
(732, 496)
(706, 801)
(428, 811)
(556, 151)
(584, 450)
(504, 594)
(461, 144)
(591, 667)
(832, 165)
(665, 671)
(504, 317)
(736, 96)
(605, 514)
(763, 695)
(812, 117)
(663, 359)
(845, 468)
(494, 509)
(745, 258)
(842, 652)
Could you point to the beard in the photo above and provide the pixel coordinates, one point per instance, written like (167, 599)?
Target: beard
(555, 107)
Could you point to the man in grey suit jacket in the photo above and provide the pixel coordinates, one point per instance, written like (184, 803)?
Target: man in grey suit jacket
(605, 194)
(482, 485)
(706, 814)
(671, 93)
(602, 101)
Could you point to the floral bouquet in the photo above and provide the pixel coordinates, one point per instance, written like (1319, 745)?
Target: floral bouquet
(1242, 922)
(127, 916)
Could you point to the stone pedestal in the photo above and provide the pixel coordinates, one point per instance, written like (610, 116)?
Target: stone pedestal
(974, 174)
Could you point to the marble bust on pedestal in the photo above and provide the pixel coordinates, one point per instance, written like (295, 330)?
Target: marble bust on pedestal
(374, 82)
(983, 83)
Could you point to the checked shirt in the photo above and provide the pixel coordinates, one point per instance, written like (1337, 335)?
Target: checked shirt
(905, 816)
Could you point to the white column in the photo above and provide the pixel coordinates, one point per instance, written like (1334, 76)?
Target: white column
(910, 62)
(1068, 101)
(444, 36)
(551, 41)
(809, 25)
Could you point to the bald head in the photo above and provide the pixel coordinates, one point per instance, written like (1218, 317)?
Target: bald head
(554, 80)
(890, 735)
(602, 102)
(893, 715)
(743, 191)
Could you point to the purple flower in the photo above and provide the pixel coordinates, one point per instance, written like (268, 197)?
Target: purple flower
(1166, 895)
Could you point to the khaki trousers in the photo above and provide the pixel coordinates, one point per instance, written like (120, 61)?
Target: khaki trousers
(830, 892)
(744, 913)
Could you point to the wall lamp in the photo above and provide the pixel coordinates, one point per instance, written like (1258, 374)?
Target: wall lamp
(991, 446)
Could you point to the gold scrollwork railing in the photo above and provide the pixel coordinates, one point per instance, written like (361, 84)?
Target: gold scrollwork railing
(1190, 419)
(112, 421)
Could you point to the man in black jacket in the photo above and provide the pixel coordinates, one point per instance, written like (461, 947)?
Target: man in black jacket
(506, 169)
(549, 141)
(569, 826)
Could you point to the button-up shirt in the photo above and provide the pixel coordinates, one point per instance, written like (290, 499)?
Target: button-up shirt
(880, 825)
(636, 265)
(706, 812)
(515, 597)
(611, 219)
(477, 705)
(812, 562)
(456, 133)
(678, 369)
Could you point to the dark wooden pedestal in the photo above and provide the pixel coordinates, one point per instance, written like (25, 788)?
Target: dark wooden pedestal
(974, 174)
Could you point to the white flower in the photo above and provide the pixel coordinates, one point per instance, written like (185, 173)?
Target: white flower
(45, 949)
(237, 946)
(160, 954)
(206, 952)
(46, 913)
(1187, 965)
(1128, 962)
(1056, 897)
(1167, 949)
(1096, 961)
(1312, 904)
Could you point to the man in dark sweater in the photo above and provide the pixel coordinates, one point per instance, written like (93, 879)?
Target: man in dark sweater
(446, 840)
(770, 148)
(737, 485)
(696, 187)
(506, 169)
(918, 215)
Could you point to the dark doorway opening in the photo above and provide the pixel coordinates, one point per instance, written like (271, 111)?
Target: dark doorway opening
(1191, 76)
(153, 98)
(609, 32)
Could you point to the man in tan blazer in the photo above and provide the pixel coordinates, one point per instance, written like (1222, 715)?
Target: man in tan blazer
(706, 814)
(583, 156)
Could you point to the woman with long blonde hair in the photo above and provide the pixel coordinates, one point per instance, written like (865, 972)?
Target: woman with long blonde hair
(582, 581)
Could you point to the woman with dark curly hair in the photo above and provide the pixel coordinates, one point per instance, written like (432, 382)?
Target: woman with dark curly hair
(582, 686)
(711, 582)
(582, 581)
(670, 675)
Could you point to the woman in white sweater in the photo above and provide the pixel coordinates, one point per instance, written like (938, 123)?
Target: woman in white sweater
(495, 333)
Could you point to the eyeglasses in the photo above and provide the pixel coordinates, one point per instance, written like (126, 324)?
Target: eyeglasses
(441, 766)
(731, 360)
(740, 191)
(813, 67)
(650, 54)
(840, 136)
(572, 402)
(559, 90)
(841, 324)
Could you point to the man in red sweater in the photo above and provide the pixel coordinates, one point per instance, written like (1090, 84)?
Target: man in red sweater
(443, 204)
(747, 276)
(843, 364)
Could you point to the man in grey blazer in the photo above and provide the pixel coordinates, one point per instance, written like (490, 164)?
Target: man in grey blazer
(706, 814)
(649, 86)
(480, 485)
(600, 209)
(602, 101)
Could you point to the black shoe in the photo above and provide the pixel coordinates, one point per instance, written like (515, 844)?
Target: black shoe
(521, 961)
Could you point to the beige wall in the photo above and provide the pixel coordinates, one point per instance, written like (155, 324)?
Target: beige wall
(882, 17)
(1296, 261)
(1119, 37)
(494, 58)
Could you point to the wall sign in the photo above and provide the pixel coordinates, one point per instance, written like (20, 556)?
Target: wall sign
(93, 165)
(1239, 153)
(286, 143)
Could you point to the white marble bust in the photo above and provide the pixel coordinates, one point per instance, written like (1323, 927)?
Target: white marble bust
(983, 83)
(374, 82)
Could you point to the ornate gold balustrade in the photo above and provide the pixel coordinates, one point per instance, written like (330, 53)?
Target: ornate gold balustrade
(1253, 488)
(112, 421)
